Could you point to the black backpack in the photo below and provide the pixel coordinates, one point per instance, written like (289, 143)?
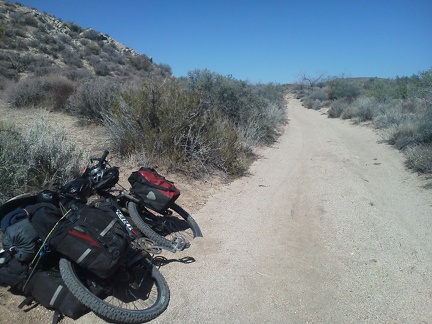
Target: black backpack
(91, 237)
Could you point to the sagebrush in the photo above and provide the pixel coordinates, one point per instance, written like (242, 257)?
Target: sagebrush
(35, 158)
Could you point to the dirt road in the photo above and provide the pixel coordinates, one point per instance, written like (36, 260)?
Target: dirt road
(328, 227)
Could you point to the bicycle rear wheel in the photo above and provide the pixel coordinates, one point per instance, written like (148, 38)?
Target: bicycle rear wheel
(138, 293)
(173, 229)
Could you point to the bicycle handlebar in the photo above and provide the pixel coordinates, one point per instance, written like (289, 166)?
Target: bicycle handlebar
(104, 155)
(102, 160)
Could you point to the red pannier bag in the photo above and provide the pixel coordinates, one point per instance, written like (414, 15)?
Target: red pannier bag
(154, 190)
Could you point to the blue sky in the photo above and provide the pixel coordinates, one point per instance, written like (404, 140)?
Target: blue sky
(265, 41)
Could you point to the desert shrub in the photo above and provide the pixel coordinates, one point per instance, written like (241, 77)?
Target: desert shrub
(140, 62)
(166, 69)
(239, 101)
(57, 48)
(46, 39)
(111, 53)
(46, 70)
(298, 86)
(176, 129)
(30, 21)
(11, 63)
(16, 32)
(252, 133)
(391, 118)
(318, 94)
(404, 134)
(380, 89)
(343, 89)
(74, 28)
(110, 49)
(93, 98)
(8, 72)
(36, 158)
(72, 58)
(84, 41)
(410, 88)
(337, 108)
(52, 90)
(314, 97)
(91, 34)
(12, 170)
(62, 89)
(19, 45)
(3, 29)
(99, 66)
(35, 62)
(54, 158)
(105, 57)
(423, 89)
(364, 109)
(26, 92)
(405, 129)
(315, 104)
(419, 158)
(4, 82)
(92, 49)
(425, 127)
(76, 74)
(121, 70)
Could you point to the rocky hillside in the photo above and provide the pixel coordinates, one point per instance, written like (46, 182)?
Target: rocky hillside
(35, 43)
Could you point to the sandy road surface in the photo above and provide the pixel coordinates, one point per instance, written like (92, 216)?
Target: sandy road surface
(328, 228)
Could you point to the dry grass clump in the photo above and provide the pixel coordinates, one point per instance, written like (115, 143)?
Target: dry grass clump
(36, 157)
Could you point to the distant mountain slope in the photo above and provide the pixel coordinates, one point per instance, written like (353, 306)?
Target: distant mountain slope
(32, 42)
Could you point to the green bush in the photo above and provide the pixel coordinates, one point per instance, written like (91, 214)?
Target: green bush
(343, 89)
(410, 88)
(201, 123)
(240, 102)
(175, 129)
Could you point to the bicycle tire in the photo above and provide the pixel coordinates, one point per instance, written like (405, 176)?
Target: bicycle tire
(123, 294)
(163, 229)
